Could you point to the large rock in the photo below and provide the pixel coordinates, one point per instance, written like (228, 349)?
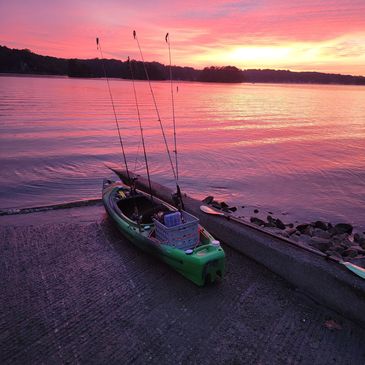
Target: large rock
(320, 225)
(360, 239)
(338, 248)
(294, 238)
(342, 238)
(270, 222)
(305, 238)
(320, 244)
(347, 243)
(359, 249)
(279, 224)
(309, 231)
(257, 221)
(350, 252)
(290, 231)
(343, 228)
(284, 234)
(318, 232)
(208, 199)
(302, 228)
(357, 237)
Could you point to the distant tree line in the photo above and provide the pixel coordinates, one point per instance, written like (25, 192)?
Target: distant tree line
(26, 62)
(282, 76)
(120, 69)
(221, 74)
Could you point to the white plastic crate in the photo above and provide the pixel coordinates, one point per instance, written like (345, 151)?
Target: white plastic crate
(183, 236)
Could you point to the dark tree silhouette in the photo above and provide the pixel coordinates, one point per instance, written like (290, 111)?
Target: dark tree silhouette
(26, 62)
(221, 74)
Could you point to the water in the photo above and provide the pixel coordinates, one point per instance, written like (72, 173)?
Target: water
(294, 149)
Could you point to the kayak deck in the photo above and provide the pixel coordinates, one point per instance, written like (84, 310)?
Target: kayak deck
(186, 246)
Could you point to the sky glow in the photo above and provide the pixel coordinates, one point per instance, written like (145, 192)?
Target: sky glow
(311, 35)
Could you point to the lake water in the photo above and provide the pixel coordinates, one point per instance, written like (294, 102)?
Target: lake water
(292, 149)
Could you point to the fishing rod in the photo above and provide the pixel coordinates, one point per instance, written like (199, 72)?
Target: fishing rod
(140, 126)
(180, 202)
(98, 47)
(178, 195)
(155, 104)
(167, 39)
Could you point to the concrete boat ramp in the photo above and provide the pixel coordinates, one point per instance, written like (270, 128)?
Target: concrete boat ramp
(73, 291)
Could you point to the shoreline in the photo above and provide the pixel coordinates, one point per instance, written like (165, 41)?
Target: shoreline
(43, 208)
(340, 241)
(10, 74)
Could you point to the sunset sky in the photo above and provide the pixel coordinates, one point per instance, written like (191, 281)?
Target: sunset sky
(315, 35)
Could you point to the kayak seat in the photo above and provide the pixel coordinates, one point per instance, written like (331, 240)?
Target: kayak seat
(149, 213)
(145, 207)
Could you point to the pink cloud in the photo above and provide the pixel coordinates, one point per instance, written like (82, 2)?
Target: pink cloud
(69, 28)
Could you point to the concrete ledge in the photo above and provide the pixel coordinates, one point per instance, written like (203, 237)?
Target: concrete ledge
(327, 282)
(43, 208)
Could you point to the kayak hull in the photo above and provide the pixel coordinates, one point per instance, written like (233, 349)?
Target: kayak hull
(203, 263)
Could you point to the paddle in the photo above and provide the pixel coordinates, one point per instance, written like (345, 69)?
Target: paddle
(360, 271)
(210, 210)
(354, 268)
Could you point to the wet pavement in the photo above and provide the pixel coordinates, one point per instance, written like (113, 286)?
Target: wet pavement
(74, 291)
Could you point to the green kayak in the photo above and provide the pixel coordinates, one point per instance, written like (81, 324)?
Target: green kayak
(175, 237)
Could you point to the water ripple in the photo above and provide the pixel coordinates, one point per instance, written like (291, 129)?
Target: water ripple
(289, 148)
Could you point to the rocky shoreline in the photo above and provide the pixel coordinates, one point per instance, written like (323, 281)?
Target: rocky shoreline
(339, 240)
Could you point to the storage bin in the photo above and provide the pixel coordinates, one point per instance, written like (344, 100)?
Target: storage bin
(182, 236)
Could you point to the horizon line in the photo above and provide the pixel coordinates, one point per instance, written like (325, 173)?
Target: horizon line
(197, 69)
